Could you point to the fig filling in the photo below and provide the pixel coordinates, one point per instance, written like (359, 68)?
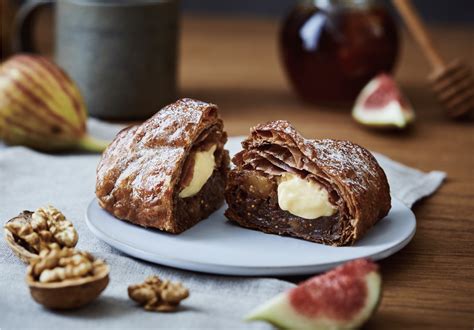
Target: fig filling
(206, 197)
(202, 160)
(255, 197)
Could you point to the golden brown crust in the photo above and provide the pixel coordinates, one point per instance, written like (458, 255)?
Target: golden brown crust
(349, 172)
(139, 173)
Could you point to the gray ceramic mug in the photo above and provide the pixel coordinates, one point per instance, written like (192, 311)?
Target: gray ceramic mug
(122, 53)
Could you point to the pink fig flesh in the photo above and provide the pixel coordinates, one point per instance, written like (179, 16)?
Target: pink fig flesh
(339, 294)
(386, 92)
(342, 298)
(382, 104)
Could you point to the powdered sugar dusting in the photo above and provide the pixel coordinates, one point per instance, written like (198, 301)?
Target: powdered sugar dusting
(139, 170)
(351, 163)
(347, 170)
(337, 157)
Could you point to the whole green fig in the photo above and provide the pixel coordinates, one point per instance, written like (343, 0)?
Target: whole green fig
(41, 107)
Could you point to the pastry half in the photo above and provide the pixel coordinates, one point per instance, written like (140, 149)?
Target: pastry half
(169, 172)
(325, 191)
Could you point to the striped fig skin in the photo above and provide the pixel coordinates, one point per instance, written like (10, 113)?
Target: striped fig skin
(40, 106)
(69, 89)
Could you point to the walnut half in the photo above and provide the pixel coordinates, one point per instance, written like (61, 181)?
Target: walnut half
(157, 295)
(64, 278)
(29, 233)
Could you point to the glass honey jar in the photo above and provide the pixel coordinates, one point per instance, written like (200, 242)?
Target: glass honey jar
(331, 48)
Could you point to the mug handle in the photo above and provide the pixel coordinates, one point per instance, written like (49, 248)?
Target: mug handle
(24, 24)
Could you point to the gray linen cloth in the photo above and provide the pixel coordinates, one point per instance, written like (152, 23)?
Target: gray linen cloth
(29, 179)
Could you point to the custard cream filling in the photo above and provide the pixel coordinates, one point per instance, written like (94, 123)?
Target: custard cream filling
(304, 198)
(204, 164)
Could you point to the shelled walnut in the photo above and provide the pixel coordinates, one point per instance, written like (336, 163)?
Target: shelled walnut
(64, 278)
(157, 295)
(31, 232)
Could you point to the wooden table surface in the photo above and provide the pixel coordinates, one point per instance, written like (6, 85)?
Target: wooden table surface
(430, 283)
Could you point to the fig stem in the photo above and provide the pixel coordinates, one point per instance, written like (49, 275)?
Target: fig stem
(92, 144)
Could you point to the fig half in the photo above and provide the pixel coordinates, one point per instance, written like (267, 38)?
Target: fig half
(343, 298)
(381, 104)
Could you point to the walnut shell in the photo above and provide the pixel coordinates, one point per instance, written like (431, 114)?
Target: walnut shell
(22, 248)
(18, 247)
(71, 293)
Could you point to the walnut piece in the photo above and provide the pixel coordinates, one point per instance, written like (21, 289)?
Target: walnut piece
(157, 295)
(46, 228)
(59, 264)
(65, 278)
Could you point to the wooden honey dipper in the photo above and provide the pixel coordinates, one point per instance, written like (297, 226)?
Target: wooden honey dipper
(453, 83)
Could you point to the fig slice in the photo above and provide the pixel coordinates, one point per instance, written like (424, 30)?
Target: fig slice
(381, 104)
(342, 298)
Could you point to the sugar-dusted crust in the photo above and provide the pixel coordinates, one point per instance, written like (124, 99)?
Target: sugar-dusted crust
(139, 175)
(356, 183)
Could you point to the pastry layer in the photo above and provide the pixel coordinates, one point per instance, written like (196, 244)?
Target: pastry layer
(347, 174)
(144, 169)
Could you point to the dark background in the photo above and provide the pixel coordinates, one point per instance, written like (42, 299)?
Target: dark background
(438, 11)
(433, 11)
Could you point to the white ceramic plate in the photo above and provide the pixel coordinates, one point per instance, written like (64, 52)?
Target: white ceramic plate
(216, 245)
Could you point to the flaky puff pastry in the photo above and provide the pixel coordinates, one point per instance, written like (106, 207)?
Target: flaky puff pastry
(142, 172)
(356, 185)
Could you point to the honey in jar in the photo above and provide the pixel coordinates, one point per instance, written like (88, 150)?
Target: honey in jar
(332, 48)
